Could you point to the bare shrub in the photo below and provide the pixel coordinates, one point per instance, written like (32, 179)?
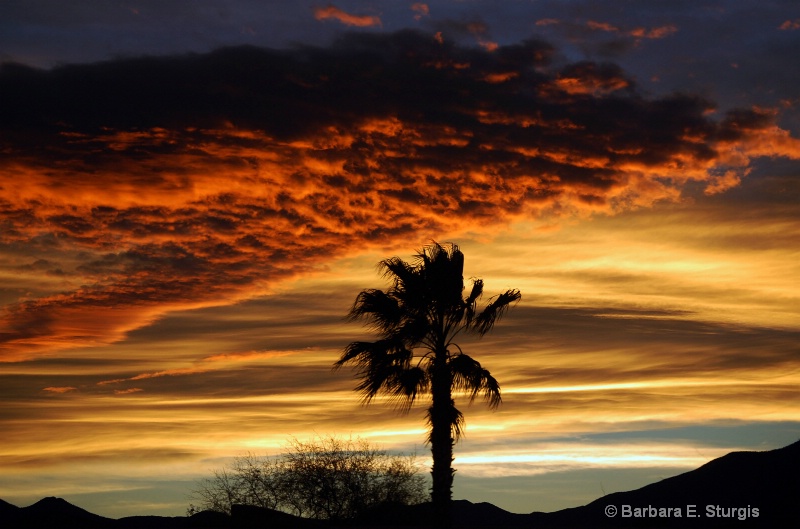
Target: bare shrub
(324, 478)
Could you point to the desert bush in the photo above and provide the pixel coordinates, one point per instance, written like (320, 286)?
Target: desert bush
(324, 478)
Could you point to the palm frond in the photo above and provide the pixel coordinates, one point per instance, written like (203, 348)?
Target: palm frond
(472, 300)
(369, 355)
(391, 379)
(380, 365)
(412, 330)
(469, 376)
(408, 284)
(354, 353)
(380, 309)
(407, 384)
(398, 271)
(476, 292)
(495, 310)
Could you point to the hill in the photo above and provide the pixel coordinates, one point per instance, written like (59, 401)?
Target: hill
(739, 490)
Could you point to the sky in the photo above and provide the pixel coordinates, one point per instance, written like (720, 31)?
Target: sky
(192, 194)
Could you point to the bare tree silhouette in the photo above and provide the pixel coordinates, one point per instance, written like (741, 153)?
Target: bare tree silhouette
(322, 478)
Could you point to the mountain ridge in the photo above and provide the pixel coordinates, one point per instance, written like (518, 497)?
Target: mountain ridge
(745, 489)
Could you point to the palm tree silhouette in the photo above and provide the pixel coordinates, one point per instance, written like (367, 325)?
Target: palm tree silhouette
(424, 310)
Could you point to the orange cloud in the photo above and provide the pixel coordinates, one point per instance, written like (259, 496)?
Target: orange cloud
(160, 207)
(728, 180)
(790, 25)
(590, 78)
(500, 77)
(602, 26)
(655, 33)
(333, 12)
(59, 389)
(127, 391)
(246, 356)
(579, 85)
(421, 9)
(640, 32)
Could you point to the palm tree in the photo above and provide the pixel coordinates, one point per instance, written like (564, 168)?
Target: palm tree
(418, 319)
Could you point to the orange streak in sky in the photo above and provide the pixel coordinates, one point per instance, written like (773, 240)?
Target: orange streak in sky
(331, 11)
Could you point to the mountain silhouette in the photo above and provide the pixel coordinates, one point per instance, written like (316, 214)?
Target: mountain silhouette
(739, 490)
(9, 514)
(59, 513)
(766, 481)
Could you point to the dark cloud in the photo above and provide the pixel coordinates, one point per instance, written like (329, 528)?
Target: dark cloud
(187, 180)
(115, 456)
(292, 94)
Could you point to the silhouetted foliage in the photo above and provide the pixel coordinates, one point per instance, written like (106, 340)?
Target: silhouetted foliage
(418, 319)
(324, 478)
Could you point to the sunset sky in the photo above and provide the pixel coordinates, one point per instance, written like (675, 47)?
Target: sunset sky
(192, 193)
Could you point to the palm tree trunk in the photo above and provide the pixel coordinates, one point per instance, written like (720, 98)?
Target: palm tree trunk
(441, 417)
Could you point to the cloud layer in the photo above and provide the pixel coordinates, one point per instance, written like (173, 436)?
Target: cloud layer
(138, 186)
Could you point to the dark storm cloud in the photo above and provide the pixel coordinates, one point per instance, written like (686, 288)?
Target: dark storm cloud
(286, 94)
(189, 180)
(463, 106)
